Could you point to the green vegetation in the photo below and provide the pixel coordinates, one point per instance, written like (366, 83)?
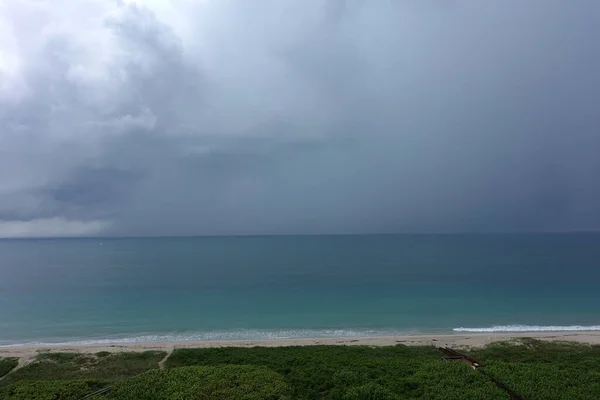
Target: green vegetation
(76, 366)
(354, 372)
(541, 370)
(7, 364)
(537, 370)
(237, 382)
(48, 390)
(370, 391)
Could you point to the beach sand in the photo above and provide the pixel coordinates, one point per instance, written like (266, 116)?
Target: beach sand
(26, 353)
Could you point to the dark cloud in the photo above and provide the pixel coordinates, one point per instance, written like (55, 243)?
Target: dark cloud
(154, 118)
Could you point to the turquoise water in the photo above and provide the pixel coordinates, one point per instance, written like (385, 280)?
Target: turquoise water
(90, 290)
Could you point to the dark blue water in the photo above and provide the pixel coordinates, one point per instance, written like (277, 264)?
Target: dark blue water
(72, 290)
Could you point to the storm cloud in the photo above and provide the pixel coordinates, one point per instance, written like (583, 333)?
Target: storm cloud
(211, 117)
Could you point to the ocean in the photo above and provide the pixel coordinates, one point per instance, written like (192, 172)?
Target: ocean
(202, 288)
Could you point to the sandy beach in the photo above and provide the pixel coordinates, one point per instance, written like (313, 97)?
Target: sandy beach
(26, 353)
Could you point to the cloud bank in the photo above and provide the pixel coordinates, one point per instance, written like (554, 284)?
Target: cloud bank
(211, 117)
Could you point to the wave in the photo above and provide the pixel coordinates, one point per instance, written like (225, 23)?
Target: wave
(530, 328)
(248, 334)
(221, 335)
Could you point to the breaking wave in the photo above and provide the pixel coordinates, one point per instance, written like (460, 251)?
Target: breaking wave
(221, 335)
(530, 328)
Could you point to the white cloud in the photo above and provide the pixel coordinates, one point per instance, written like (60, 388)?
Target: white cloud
(144, 120)
(51, 227)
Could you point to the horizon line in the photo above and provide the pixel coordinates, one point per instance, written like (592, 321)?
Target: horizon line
(247, 235)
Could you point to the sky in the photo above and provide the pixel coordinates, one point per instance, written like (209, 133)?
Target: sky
(234, 117)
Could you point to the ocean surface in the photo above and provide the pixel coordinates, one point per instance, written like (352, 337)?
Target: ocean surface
(95, 290)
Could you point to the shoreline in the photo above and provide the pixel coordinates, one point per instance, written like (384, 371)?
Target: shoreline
(458, 340)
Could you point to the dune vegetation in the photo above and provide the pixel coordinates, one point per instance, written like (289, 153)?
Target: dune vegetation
(540, 370)
(536, 370)
(7, 364)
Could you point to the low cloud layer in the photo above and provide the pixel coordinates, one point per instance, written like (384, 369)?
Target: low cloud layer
(286, 116)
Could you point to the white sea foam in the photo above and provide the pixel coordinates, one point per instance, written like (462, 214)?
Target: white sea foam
(221, 335)
(290, 334)
(530, 328)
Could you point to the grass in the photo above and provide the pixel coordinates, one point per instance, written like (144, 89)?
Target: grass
(7, 364)
(76, 366)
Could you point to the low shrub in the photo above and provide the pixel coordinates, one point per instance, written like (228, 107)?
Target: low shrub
(227, 382)
(7, 364)
(320, 372)
(545, 370)
(336, 372)
(48, 390)
(370, 391)
(544, 381)
(76, 366)
(445, 380)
